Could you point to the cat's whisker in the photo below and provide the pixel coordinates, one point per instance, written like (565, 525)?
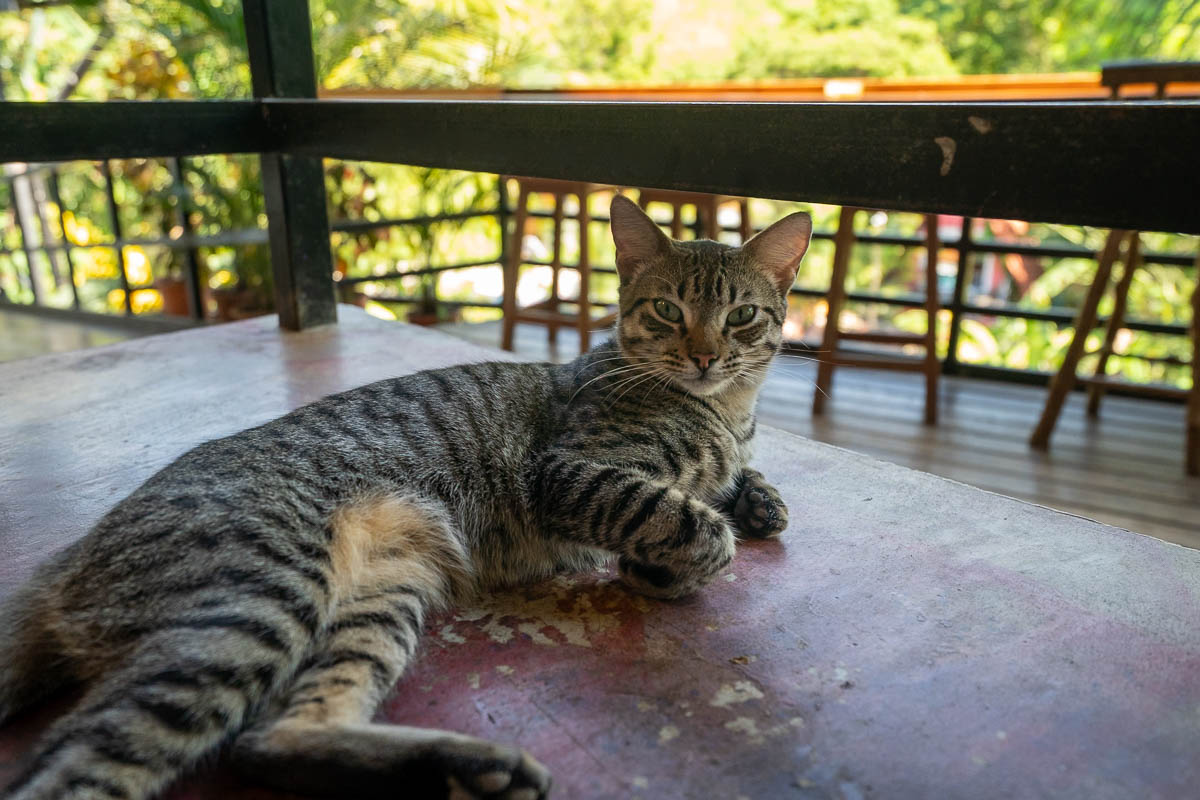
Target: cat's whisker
(591, 364)
(609, 374)
(805, 359)
(662, 382)
(653, 368)
(625, 381)
(650, 376)
(814, 384)
(606, 374)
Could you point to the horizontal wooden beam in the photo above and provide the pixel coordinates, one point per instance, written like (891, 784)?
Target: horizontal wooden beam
(1131, 165)
(117, 129)
(1109, 164)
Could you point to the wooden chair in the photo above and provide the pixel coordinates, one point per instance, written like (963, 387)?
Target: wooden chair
(1067, 376)
(706, 206)
(549, 312)
(831, 356)
(1114, 76)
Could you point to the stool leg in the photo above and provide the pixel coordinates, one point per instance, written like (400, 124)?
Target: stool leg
(1193, 417)
(710, 228)
(512, 269)
(1132, 261)
(676, 220)
(585, 276)
(555, 266)
(1064, 379)
(744, 227)
(932, 366)
(843, 243)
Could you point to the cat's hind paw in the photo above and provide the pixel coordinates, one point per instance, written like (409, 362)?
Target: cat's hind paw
(478, 770)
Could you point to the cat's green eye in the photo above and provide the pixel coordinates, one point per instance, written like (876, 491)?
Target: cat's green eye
(741, 315)
(668, 311)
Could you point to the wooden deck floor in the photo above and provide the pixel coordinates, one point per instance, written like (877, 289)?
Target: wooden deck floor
(1126, 469)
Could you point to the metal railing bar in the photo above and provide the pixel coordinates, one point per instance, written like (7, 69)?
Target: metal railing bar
(357, 225)
(1067, 318)
(253, 236)
(904, 300)
(240, 237)
(397, 274)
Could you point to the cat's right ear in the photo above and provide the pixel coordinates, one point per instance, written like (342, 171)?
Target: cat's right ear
(639, 241)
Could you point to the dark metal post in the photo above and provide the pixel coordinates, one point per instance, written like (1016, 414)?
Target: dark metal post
(191, 260)
(961, 278)
(115, 218)
(279, 40)
(56, 197)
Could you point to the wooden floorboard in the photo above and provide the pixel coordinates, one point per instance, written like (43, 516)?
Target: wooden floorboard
(1126, 468)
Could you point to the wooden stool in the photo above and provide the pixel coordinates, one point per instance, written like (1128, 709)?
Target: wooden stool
(831, 357)
(706, 206)
(1067, 376)
(548, 312)
(1114, 76)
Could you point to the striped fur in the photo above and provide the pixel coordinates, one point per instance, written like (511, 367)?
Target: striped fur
(266, 590)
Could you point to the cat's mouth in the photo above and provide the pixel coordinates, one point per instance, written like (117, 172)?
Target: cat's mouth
(704, 384)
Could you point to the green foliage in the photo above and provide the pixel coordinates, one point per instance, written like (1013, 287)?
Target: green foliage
(589, 41)
(419, 44)
(839, 38)
(999, 36)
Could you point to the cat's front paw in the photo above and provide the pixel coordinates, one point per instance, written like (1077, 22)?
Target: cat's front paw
(692, 550)
(759, 511)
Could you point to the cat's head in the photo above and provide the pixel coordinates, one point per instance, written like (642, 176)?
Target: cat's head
(707, 315)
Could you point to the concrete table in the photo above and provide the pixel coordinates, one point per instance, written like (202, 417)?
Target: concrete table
(910, 637)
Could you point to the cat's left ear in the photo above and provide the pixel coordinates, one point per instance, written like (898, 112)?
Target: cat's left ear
(777, 250)
(637, 237)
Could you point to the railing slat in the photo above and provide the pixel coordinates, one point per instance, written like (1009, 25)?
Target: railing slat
(1109, 164)
(42, 132)
(1093, 163)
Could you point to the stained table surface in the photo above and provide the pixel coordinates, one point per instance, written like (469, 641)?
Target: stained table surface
(909, 637)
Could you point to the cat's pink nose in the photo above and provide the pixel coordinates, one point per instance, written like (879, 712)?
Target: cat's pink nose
(704, 359)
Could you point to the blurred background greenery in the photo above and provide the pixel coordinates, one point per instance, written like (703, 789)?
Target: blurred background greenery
(195, 49)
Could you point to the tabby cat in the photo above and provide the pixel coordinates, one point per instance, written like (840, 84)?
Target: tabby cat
(267, 590)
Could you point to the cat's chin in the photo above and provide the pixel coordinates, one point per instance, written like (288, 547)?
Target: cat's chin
(702, 387)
